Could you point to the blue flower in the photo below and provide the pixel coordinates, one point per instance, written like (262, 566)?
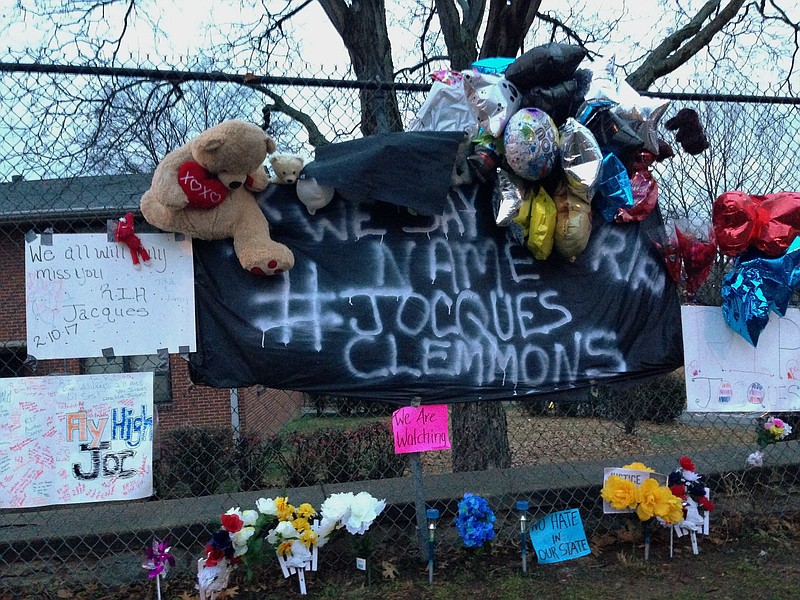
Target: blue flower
(475, 521)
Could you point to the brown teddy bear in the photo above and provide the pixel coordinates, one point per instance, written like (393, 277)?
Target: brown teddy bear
(204, 189)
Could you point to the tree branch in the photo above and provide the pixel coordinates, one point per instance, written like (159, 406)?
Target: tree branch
(421, 64)
(279, 22)
(556, 23)
(682, 45)
(315, 136)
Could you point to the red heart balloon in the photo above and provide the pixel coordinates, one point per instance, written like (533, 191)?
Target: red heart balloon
(201, 187)
(769, 222)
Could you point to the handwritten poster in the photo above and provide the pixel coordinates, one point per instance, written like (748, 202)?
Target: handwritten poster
(637, 477)
(724, 373)
(559, 536)
(84, 298)
(420, 429)
(74, 439)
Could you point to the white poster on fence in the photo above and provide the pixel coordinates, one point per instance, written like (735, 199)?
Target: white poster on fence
(724, 373)
(73, 439)
(84, 298)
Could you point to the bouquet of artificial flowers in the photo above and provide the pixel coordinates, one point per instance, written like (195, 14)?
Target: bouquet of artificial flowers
(690, 487)
(240, 538)
(242, 535)
(293, 537)
(354, 512)
(648, 500)
(769, 431)
(475, 521)
(772, 430)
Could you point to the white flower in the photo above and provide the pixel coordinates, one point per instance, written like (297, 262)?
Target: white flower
(337, 506)
(235, 511)
(689, 475)
(266, 506)
(249, 517)
(239, 540)
(787, 430)
(363, 511)
(324, 529)
(283, 531)
(300, 556)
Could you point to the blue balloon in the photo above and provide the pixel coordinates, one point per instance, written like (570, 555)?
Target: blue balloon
(756, 285)
(614, 189)
(744, 307)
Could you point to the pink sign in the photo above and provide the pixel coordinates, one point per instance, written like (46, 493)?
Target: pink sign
(420, 429)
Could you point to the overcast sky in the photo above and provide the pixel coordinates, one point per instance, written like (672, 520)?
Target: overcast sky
(320, 46)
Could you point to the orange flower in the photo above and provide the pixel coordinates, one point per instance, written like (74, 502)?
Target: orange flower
(306, 511)
(285, 510)
(619, 493)
(285, 548)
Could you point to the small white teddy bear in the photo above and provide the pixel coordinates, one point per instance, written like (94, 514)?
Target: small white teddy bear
(287, 168)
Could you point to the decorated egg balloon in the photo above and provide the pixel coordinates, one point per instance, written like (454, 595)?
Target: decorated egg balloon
(531, 143)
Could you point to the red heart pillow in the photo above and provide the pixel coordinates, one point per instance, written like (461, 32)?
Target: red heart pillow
(202, 188)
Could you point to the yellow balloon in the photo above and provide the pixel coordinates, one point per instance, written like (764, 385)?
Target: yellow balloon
(542, 225)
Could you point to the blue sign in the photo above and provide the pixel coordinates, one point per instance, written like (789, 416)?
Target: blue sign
(559, 536)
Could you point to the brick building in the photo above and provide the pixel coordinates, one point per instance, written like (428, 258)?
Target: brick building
(84, 205)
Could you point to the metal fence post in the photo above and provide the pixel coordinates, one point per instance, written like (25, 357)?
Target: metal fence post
(415, 463)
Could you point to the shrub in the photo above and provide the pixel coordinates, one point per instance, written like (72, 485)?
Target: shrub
(669, 398)
(343, 406)
(335, 455)
(194, 461)
(254, 458)
(659, 400)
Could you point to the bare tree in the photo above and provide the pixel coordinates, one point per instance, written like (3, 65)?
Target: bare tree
(362, 27)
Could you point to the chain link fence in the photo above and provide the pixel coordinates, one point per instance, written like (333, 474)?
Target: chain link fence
(222, 448)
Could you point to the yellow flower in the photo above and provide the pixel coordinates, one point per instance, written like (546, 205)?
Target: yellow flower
(308, 537)
(285, 510)
(647, 498)
(306, 511)
(619, 493)
(301, 524)
(674, 512)
(637, 466)
(285, 548)
(776, 432)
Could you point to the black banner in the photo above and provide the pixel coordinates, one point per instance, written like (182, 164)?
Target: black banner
(383, 304)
